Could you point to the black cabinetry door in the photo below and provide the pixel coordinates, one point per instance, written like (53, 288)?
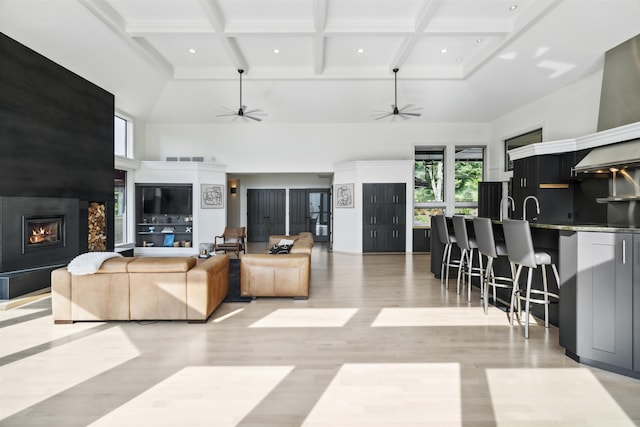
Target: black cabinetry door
(542, 177)
(265, 213)
(421, 240)
(383, 217)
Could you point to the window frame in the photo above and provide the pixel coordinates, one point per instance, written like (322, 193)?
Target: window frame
(527, 138)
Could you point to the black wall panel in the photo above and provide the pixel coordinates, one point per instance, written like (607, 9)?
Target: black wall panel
(56, 129)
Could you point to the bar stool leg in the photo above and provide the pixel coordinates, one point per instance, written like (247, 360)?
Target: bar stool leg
(546, 296)
(527, 302)
(445, 262)
(488, 276)
(463, 262)
(515, 294)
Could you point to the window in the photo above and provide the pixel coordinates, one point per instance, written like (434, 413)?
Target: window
(446, 183)
(429, 175)
(469, 169)
(122, 140)
(428, 194)
(519, 141)
(120, 204)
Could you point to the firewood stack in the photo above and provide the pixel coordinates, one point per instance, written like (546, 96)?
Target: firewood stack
(97, 225)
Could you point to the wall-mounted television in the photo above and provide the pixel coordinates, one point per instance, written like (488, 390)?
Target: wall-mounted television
(166, 199)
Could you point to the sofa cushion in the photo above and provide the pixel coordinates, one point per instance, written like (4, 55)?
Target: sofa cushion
(115, 265)
(161, 264)
(90, 262)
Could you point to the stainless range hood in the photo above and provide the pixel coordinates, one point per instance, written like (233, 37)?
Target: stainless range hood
(601, 159)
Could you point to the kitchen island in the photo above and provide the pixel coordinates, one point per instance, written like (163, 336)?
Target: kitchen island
(598, 314)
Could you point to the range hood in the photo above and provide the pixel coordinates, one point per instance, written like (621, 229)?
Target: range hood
(601, 159)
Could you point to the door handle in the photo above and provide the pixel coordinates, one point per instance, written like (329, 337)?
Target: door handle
(624, 252)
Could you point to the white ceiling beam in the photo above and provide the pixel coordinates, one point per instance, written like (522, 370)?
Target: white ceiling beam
(319, 44)
(428, 10)
(108, 16)
(229, 44)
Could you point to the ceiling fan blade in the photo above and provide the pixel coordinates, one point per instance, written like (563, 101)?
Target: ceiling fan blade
(256, 111)
(228, 109)
(383, 116)
(411, 114)
(410, 108)
(228, 114)
(253, 118)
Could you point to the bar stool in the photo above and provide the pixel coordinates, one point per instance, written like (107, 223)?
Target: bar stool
(492, 249)
(521, 252)
(448, 240)
(468, 246)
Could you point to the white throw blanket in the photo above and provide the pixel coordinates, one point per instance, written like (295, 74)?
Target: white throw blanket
(90, 262)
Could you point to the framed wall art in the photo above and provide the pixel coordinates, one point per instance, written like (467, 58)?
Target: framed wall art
(211, 196)
(344, 196)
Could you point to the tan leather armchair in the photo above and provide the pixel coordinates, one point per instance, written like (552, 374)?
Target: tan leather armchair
(233, 239)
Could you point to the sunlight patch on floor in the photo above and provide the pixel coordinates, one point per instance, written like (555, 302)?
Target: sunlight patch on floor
(197, 396)
(559, 396)
(36, 378)
(306, 318)
(42, 330)
(16, 313)
(440, 316)
(380, 394)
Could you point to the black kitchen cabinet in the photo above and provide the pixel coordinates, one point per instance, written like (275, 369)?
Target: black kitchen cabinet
(489, 197)
(421, 240)
(384, 217)
(541, 176)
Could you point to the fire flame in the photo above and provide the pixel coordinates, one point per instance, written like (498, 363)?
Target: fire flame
(39, 234)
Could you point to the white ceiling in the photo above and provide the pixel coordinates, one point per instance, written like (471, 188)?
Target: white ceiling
(497, 59)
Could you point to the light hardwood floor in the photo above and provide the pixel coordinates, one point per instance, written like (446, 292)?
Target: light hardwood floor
(378, 343)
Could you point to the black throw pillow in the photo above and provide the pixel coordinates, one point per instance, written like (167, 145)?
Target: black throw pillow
(280, 249)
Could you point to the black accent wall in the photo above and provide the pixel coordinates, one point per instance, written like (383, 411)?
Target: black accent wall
(56, 133)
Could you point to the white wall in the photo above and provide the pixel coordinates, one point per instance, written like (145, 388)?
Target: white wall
(567, 113)
(315, 148)
(347, 236)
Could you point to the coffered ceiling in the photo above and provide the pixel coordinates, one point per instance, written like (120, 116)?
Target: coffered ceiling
(460, 60)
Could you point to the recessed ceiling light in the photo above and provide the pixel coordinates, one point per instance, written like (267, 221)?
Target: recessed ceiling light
(458, 59)
(192, 50)
(361, 50)
(479, 40)
(513, 7)
(276, 51)
(443, 50)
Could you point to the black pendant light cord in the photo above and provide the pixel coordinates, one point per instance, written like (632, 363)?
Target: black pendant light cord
(395, 99)
(240, 112)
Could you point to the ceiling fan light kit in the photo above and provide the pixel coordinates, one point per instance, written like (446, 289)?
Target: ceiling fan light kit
(242, 112)
(405, 112)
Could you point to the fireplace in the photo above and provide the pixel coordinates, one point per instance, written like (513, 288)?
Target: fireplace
(37, 234)
(42, 232)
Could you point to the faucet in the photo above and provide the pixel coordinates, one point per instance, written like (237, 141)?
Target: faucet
(524, 207)
(511, 202)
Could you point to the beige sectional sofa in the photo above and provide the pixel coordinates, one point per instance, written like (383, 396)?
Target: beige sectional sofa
(152, 288)
(282, 275)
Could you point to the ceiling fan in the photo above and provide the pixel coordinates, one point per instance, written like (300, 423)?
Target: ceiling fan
(405, 112)
(242, 112)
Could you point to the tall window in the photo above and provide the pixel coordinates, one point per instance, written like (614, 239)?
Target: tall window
(520, 141)
(120, 199)
(469, 169)
(428, 194)
(120, 136)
